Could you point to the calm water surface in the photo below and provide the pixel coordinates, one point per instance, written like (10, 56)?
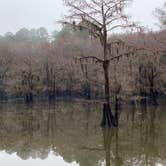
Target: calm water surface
(69, 134)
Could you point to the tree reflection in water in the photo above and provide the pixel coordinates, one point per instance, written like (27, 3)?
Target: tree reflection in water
(114, 158)
(72, 131)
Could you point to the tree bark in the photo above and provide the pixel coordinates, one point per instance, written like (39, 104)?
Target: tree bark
(106, 86)
(153, 96)
(29, 97)
(108, 119)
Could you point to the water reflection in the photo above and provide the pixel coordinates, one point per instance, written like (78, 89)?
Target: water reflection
(112, 154)
(71, 130)
(9, 160)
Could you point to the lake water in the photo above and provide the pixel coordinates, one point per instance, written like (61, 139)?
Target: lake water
(69, 134)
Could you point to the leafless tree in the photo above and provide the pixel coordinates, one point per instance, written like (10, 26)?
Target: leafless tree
(100, 18)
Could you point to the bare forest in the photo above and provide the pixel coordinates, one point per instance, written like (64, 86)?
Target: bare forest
(88, 91)
(85, 60)
(35, 64)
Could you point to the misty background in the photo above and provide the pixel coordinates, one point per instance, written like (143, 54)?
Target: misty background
(17, 14)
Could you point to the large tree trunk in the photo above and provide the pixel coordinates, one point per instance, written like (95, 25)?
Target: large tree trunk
(108, 119)
(106, 86)
(29, 97)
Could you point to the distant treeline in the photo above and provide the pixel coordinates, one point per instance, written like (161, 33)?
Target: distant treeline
(36, 64)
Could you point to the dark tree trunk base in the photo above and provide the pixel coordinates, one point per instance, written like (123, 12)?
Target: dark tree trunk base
(29, 98)
(108, 120)
(51, 96)
(153, 98)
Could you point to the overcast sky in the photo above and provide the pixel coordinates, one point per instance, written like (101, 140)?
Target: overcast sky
(15, 14)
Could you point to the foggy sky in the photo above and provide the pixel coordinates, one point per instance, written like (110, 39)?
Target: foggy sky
(16, 14)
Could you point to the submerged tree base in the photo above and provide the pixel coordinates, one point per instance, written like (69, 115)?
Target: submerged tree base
(108, 120)
(28, 98)
(153, 98)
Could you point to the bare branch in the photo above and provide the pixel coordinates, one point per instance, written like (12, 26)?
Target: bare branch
(122, 26)
(83, 13)
(90, 57)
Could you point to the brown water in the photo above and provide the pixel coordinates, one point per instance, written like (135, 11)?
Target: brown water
(69, 134)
